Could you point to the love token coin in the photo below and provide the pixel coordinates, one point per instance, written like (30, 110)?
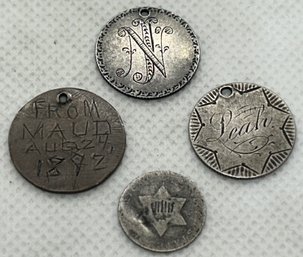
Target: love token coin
(66, 140)
(162, 211)
(147, 52)
(242, 130)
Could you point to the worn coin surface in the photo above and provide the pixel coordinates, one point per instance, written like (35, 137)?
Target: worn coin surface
(162, 211)
(147, 52)
(242, 130)
(66, 140)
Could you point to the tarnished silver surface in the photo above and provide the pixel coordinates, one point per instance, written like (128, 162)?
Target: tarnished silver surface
(162, 211)
(147, 52)
(242, 130)
(66, 140)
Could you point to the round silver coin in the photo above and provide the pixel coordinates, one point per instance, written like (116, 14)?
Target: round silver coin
(147, 52)
(162, 211)
(242, 130)
(66, 140)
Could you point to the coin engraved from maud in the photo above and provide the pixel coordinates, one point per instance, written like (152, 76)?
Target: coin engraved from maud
(66, 140)
(242, 130)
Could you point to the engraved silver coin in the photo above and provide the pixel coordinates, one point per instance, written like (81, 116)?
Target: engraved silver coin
(162, 211)
(147, 52)
(242, 130)
(66, 140)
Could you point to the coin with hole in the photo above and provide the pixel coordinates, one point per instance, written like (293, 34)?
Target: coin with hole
(242, 130)
(147, 52)
(67, 140)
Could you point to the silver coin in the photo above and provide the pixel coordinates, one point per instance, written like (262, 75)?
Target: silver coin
(147, 52)
(242, 130)
(66, 140)
(162, 211)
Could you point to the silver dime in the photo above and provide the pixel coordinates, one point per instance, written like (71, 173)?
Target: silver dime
(147, 52)
(66, 140)
(242, 130)
(162, 211)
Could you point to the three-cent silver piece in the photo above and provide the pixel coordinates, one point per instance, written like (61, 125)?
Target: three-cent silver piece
(66, 140)
(162, 211)
(242, 130)
(147, 52)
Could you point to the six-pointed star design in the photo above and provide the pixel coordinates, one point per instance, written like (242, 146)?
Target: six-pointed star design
(252, 155)
(174, 217)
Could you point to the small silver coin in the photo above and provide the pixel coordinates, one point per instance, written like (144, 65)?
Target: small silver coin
(162, 211)
(66, 140)
(242, 130)
(147, 52)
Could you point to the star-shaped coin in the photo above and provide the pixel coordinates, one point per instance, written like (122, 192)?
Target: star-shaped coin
(163, 210)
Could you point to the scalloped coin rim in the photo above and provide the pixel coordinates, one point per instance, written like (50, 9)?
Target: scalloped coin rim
(126, 89)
